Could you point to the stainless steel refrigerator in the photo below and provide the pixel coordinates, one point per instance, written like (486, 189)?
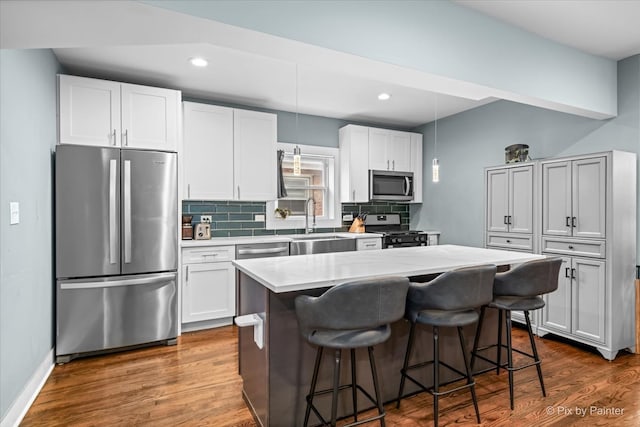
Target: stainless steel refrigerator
(116, 249)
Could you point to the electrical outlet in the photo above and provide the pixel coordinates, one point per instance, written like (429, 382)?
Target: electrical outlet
(258, 217)
(205, 218)
(347, 217)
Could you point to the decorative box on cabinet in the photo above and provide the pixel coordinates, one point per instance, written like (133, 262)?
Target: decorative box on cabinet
(228, 154)
(112, 114)
(589, 218)
(208, 287)
(364, 148)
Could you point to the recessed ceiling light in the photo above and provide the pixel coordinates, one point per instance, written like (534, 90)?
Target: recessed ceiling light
(198, 62)
(384, 96)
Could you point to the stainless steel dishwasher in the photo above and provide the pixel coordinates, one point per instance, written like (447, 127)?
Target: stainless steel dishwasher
(262, 250)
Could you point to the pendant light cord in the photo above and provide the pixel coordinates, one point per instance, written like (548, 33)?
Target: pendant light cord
(435, 143)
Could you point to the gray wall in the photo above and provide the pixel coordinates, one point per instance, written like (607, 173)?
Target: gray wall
(27, 139)
(472, 140)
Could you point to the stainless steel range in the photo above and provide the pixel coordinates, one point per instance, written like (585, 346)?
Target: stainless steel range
(394, 234)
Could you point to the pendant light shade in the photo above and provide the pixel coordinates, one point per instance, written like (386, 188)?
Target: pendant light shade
(435, 171)
(296, 161)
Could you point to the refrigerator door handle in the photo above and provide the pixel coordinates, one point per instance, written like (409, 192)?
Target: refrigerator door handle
(113, 237)
(110, 284)
(127, 211)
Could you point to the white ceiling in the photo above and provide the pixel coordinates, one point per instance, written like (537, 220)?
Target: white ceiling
(264, 79)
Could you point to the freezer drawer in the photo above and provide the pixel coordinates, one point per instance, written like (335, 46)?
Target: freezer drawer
(104, 314)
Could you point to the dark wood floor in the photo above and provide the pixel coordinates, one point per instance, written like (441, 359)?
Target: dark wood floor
(195, 383)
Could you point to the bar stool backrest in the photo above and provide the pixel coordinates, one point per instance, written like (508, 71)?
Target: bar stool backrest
(529, 279)
(461, 289)
(360, 304)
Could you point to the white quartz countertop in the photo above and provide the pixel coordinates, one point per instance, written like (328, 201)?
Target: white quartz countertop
(241, 240)
(303, 272)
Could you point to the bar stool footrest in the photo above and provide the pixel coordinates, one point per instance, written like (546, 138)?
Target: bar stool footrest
(342, 388)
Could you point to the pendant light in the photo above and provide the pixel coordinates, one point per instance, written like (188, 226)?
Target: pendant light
(296, 151)
(435, 167)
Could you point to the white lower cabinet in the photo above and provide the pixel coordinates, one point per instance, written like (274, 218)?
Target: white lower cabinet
(208, 285)
(577, 308)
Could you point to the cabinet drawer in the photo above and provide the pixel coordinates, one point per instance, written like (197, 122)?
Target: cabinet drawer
(590, 248)
(208, 254)
(510, 242)
(369, 244)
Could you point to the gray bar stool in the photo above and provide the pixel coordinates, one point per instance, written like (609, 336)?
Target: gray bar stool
(519, 289)
(449, 300)
(349, 316)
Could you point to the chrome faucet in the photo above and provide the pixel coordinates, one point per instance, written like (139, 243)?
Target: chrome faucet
(308, 230)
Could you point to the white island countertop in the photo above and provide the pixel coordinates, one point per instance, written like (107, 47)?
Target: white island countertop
(303, 272)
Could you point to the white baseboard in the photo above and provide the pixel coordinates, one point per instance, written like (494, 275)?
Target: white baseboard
(206, 324)
(23, 402)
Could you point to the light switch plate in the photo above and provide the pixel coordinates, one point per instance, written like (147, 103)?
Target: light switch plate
(205, 218)
(15, 212)
(258, 217)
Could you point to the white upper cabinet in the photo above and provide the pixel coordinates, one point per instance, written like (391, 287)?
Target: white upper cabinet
(254, 155)
(354, 164)
(207, 152)
(510, 199)
(574, 198)
(89, 111)
(228, 154)
(364, 148)
(416, 166)
(149, 117)
(589, 197)
(389, 150)
(105, 113)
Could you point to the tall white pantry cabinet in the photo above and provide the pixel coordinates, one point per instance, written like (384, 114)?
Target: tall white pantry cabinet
(585, 209)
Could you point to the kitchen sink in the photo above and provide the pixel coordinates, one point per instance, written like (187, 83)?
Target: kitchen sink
(319, 244)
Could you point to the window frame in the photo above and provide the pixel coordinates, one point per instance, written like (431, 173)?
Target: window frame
(334, 210)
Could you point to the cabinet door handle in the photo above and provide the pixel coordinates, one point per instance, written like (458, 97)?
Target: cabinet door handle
(570, 246)
(186, 279)
(188, 191)
(573, 222)
(387, 164)
(393, 165)
(126, 137)
(508, 241)
(573, 273)
(238, 191)
(567, 223)
(509, 219)
(114, 137)
(354, 195)
(505, 219)
(566, 273)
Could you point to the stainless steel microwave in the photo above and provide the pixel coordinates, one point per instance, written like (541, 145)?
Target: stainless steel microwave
(390, 185)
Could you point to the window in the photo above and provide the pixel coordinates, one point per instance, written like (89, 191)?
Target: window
(317, 180)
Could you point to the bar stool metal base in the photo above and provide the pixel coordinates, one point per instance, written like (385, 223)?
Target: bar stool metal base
(354, 386)
(508, 365)
(436, 362)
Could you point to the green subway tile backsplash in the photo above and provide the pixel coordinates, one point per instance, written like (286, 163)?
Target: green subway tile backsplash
(232, 218)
